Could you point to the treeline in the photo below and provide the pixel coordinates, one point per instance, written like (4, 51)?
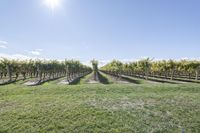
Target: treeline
(41, 69)
(167, 69)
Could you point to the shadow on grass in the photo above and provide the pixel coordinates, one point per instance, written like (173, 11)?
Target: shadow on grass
(10, 82)
(131, 80)
(157, 80)
(40, 82)
(103, 79)
(76, 81)
(123, 78)
(163, 81)
(187, 80)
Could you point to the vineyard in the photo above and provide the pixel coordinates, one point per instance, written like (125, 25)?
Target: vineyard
(40, 71)
(67, 96)
(187, 71)
(36, 72)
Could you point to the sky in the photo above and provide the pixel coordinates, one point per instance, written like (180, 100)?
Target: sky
(100, 29)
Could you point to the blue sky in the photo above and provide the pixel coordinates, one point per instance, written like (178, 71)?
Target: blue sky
(100, 29)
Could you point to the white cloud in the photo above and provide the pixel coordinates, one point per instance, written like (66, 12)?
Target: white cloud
(15, 56)
(39, 50)
(3, 44)
(35, 52)
(101, 63)
(20, 57)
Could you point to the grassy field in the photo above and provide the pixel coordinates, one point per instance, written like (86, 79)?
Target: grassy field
(145, 107)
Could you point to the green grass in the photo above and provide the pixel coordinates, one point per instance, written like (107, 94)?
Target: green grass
(85, 79)
(100, 108)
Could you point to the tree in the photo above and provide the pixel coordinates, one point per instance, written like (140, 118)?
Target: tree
(95, 68)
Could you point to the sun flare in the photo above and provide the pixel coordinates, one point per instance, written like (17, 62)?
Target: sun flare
(52, 4)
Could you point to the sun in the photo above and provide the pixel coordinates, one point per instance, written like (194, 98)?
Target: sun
(52, 4)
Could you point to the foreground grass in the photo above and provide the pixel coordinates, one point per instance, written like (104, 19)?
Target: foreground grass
(100, 108)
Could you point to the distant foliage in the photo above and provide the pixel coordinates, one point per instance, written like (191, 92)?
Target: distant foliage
(95, 69)
(40, 68)
(164, 68)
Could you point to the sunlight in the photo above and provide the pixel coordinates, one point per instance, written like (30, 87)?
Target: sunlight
(52, 4)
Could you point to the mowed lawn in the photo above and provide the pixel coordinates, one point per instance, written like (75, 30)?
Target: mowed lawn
(100, 108)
